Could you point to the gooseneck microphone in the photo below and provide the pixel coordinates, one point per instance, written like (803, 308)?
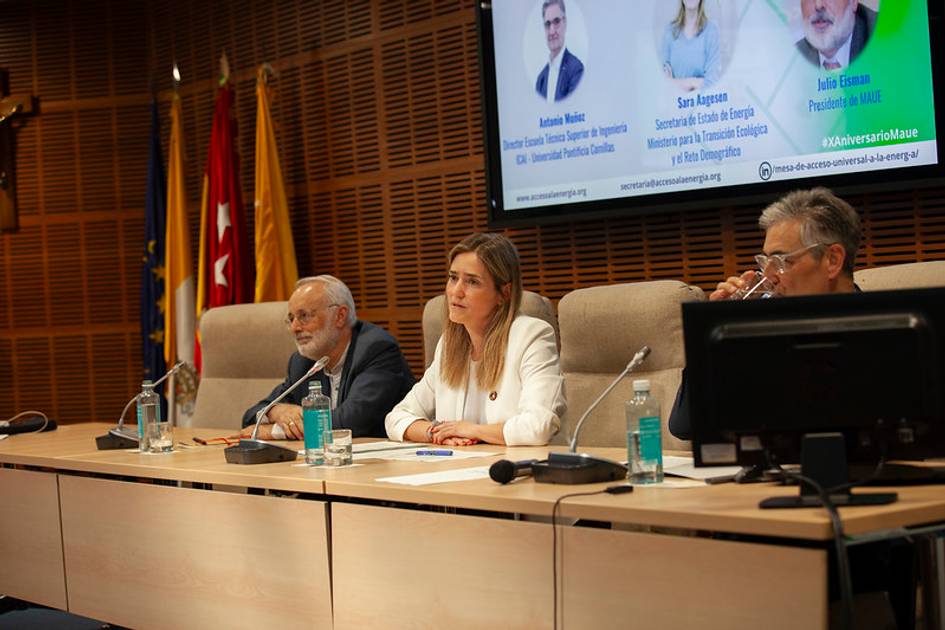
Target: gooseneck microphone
(119, 437)
(318, 366)
(504, 471)
(635, 362)
(255, 451)
(573, 467)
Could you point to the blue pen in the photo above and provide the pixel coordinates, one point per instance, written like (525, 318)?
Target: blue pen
(437, 452)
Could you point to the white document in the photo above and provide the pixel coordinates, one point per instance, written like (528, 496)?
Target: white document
(669, 483)
(425, 479)
(386, 445)
(684, 467)
(412, 456)
(367, 450)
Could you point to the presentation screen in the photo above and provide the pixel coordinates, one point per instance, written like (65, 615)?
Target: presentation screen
(601, 106)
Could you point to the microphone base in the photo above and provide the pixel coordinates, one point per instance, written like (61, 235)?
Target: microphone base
(574, 468)
(116, 439)
(258, 452)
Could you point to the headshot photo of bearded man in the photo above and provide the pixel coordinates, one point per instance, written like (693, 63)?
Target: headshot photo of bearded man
(835, 31)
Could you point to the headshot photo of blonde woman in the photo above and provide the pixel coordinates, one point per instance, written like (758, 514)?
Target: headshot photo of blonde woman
(691, 47)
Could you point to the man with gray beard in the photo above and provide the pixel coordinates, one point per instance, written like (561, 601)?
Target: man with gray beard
(835, 31)
(366, 374)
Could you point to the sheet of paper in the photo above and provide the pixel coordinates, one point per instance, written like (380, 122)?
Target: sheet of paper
(684, 467)
(672, 484)
(303, 464)
(384, 445)
(446, 476)
(411, 455)
(378, 450)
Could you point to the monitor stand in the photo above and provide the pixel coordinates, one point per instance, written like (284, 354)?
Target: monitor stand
(824, 459)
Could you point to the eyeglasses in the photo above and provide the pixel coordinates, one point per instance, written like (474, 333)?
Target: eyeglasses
(553, 22)
(782, 262)
(302, 317)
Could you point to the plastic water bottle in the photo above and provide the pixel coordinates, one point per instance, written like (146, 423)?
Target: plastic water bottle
(316, 419)
(644, 443)
(149, 412)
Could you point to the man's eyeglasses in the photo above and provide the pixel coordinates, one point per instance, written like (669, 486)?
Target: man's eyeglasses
(302, 317)
(553, 22)
(782, 262)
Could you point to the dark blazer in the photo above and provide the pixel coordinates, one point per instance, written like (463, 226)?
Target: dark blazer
(375, 378)
(679, 424)
(568, 78)
(864, 23)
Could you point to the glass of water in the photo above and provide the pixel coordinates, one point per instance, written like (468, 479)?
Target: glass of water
(338, 447)
(759, 287)
(161, 437)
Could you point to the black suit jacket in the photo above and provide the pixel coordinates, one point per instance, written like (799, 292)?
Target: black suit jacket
(864, 23)
(568, 77)
(375, 378)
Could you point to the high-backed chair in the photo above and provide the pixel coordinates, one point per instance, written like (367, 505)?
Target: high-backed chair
(245, 349)
(601, 329)
(905, 276)
(533, 304)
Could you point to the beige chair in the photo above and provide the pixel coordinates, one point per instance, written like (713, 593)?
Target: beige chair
(245, 350)
(533, 304)
(601, 329)
(905, 276)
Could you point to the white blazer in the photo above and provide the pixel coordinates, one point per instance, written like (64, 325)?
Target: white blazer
(529, 398)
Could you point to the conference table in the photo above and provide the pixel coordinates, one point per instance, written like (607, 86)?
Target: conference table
(186, 540)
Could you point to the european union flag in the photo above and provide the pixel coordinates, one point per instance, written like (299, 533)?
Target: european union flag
(152, 272)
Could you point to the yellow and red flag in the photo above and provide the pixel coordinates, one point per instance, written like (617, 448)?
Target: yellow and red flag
(224, 272)
(276, 267)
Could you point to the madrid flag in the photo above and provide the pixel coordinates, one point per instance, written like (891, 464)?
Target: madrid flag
(225, 274)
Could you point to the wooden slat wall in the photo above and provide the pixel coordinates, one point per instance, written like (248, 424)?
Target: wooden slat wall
(380, 128)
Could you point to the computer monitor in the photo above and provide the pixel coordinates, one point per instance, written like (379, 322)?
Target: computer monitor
(762, 374)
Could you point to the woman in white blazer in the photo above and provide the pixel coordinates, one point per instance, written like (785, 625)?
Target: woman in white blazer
(495, 375)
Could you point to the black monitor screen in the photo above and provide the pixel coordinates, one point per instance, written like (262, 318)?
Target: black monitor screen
(764, 373)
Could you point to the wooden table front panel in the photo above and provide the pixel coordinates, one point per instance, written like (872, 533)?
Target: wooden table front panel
(397, 568)
(619, 579)
(31, 566)
(150, 556)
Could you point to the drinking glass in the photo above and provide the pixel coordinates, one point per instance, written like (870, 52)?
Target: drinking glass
(161, 437)
(338, 447)
(759, 287)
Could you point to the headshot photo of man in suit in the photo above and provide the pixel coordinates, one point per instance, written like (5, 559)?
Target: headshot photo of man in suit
(561, 75)
(835, 31)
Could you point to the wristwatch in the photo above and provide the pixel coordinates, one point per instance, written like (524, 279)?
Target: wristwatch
(433, 423)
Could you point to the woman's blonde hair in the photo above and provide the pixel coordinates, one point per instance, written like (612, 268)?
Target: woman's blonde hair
(500, 258)
(680, 20)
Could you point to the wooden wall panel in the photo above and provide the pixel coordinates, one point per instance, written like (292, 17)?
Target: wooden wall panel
(64, 246)
(377, 113)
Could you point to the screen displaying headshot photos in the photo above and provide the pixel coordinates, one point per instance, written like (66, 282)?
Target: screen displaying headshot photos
(620, 105)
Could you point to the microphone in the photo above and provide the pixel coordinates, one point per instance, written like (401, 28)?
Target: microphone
(572, 467)
(119, 437)
(321, 363)
(635, 362)
(504, 471)
(27, 422)
(255, 451)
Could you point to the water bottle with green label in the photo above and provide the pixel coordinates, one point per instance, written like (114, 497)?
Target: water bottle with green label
(316, 419)
(644, 444)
